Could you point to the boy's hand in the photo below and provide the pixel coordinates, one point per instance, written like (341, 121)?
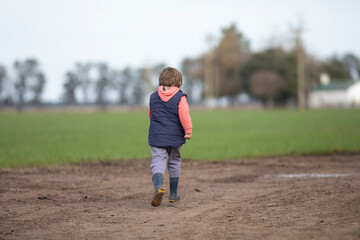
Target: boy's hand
(188, 136)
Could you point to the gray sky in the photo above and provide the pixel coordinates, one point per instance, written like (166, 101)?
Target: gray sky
(61, 32)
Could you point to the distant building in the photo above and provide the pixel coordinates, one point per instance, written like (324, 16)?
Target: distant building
(335, 94)
(353, 94)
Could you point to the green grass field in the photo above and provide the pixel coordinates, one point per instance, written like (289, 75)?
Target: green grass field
(40, 139)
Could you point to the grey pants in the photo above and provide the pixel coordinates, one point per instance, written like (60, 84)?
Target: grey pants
(158, 161)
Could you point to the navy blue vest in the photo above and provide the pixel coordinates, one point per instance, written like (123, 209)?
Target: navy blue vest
(165, 126)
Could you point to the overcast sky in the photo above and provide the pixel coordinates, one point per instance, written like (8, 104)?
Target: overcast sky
(61, 32)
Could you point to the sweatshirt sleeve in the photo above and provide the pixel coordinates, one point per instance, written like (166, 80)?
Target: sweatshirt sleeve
(184, 115)
(149, 113)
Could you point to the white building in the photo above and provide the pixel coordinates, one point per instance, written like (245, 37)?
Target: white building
(335, 94)
(353, 94)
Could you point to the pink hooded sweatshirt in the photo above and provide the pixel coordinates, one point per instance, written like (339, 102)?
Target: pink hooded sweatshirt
(183, 107)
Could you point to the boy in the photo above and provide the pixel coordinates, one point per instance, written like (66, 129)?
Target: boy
(170, 126)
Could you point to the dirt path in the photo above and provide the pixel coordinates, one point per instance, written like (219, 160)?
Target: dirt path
(245, 199)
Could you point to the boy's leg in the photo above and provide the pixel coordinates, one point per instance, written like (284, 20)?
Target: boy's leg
(158, 161)
(158, 164)
(174, 164)
(174, 168)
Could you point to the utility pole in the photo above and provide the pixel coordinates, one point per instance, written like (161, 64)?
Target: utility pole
(209, 82)
(209, 74)
(300, 69)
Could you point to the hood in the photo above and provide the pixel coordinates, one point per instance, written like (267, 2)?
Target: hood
(168, 94)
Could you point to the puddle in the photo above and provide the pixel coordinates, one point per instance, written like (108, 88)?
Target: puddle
(315, 175)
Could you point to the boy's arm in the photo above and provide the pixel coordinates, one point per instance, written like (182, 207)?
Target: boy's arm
(185, 118)
(149, 113)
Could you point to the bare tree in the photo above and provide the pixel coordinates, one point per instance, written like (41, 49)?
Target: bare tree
(141, 78)
(352, 65)
(123, 79)
(193, 71)
(20, 87)
(158, 68)
(38, 88)
(70, 86)
(267, 85)
(29, 79)
(3, 76)
(83, 76)
(104, 81)
(155, 74)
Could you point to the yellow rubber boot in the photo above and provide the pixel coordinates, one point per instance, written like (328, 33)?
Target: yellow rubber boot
(159, 189)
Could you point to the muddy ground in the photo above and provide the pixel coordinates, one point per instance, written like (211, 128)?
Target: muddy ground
(244, 199)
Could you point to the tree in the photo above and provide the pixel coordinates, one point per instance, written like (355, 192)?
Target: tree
(312, 74)
(267, 85)
(342, 67)
(123, 78)
(104, 81)
(276, 60)
(155, 74)
(230, 55)
(70, 86)
(83, 76)
(142, 77)
(38, 88)
(193, 72)
(20, 87)
(335, 67)
(29, 79)
(3, 76)
(352, 65)
(158, 68)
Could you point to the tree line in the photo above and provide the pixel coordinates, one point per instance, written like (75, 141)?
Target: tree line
(227, 69)
(270, 75)
(130, 86)
(85, 84)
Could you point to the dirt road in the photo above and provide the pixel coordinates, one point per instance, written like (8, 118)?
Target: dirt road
(272, 198)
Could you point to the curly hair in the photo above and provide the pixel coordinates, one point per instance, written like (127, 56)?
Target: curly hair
(170, 77)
